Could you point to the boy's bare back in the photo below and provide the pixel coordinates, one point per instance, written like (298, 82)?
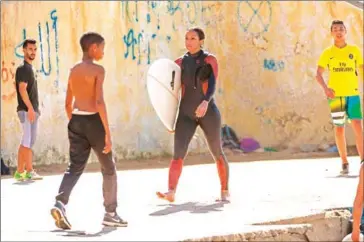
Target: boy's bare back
(85, 81)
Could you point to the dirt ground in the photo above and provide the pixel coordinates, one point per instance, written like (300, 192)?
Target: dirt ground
(163, 162)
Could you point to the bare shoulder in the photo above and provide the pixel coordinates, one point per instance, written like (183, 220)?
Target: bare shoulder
(75, 67)
(99, 69)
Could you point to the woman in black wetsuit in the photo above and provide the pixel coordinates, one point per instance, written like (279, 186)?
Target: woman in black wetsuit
(197, 108)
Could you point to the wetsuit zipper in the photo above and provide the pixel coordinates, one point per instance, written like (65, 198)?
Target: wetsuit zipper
(196, 58)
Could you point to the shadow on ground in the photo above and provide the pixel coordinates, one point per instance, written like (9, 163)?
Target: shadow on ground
(343, 176)
(192, 207)
(84, 234)
(23, 183)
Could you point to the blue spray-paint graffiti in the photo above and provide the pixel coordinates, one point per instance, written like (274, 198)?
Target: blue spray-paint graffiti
(130, 41)
(56, 43)
(173, 7)
(126, 9)
(210, 14)
(133, 40)
(192, 12)
(256, 15)
(138, 44)
(43, 69)
(190, 9)
(273, 65)
(153, 5)
(148, 18)
(41, 50)
(19, 47)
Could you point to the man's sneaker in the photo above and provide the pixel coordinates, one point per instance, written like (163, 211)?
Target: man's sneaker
(33, 175)
(19, 176)
(114, 220)
(345, 169)
(58, 212)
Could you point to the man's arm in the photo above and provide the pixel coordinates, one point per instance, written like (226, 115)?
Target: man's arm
(24, 94)
(330, 93)
(22, 78)
(69, 99)
(319, 77)
(323, 62)
(100, 103)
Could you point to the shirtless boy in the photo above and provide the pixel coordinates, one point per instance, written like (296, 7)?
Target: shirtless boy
(88, 128)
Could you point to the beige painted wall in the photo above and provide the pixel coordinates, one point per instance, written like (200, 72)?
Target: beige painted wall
(267, 88)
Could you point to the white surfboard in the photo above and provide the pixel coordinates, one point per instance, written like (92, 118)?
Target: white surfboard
(163, 84)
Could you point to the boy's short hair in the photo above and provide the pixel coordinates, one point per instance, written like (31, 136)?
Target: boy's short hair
(337, 22)
(90, 38)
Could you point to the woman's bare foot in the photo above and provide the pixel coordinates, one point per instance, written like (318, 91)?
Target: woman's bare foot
(168, 196)
(225, 196)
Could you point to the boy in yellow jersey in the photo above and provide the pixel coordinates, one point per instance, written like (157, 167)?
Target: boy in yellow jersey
(342, 61)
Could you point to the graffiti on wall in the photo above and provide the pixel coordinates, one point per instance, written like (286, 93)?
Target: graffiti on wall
(48, 52)
(8, 80)
(133, 42)
(138, 42)
(273, 65)
(256, 18)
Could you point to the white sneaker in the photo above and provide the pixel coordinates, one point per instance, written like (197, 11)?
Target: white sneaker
(33, 175)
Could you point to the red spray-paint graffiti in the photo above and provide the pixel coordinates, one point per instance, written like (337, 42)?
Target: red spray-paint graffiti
(8, 77)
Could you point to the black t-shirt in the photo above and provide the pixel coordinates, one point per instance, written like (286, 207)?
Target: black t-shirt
(25, 73)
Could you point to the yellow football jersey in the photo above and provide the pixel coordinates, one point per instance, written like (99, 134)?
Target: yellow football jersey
(342, 65)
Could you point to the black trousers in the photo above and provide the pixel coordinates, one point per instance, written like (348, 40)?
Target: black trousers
(86, 132)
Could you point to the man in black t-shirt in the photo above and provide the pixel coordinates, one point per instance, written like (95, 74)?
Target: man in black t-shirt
(28, 111)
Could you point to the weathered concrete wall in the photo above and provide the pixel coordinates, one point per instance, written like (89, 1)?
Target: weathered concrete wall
(267, 53)
(331, 225)
(326, 226)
